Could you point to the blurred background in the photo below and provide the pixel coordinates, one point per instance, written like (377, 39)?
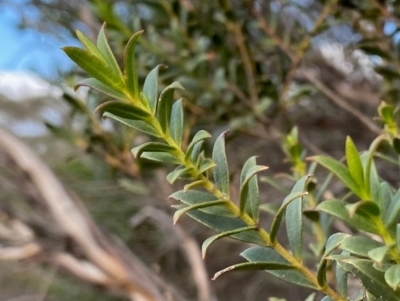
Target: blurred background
(257, 67)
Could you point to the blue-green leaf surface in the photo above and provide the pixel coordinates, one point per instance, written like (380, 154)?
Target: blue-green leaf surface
(176, 126)
(123, 110)
(164, 109)
(221, 172)
(150, 88)
(257, 254)
(103, 88)
(130, 66)
(136, 124)
(206, 244)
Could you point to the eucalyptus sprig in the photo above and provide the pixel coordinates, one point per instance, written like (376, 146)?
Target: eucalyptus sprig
(207, 199)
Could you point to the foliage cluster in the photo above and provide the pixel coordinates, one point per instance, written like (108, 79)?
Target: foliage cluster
(206, 198)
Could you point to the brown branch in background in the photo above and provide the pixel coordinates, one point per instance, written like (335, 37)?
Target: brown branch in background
(188, 245)
(340, 102)
(121, 271)
(385, 12)
(295, 58)
(233, 25)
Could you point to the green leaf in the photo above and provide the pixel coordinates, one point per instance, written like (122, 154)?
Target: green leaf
(278, 217)
(205, 165)
(164, 109)
(136, 124)
(199, 183)
(379, 254)
(326, 298)
(359, 245)
(310, 298)
(182, 211)
(366, 209)
(294, 219)
(398, 237)
(341, 279)
(392, 276)
(340, 171)
(102, 45)
(200, 135)
(123, 110)
(386, 197)
(372, 279)
(223, 224)
(338, 208)
(249, 192)
(195, 153)
(221, 172)
(193, 197)
(151, 147)
(355, 166)
(332, 243)
(130, 66)
(90, 46)
(252, 266)
(95, 67)
(206, 244)
(394, 210)
(150, 88)
(176, 173)
(263, 254)
(162, 157)
(103, 88)
(176, 126)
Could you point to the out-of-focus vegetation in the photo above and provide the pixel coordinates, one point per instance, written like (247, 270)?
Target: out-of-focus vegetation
(255, 67)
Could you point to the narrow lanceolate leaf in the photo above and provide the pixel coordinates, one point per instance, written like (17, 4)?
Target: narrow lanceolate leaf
(367, 209)
(199, 183)
(89, 45)
(294, 219)
(150, 88)
(262, 254)
(341, 279)
(130, 66)
(95, 67)
(200, 135)
(340, 171)
(221, 172)
(212, 239)
(175, 174)
(193, 197)
(176, 125)
(276, 222)
(123, 109)
(162, 157)
(394, 210)
(379, 254)
(164, 109)
(392, 276)
(354, 165)
(338, 208)
(102, 45)
(103, 88)
(332, 243)
(205, 165)
(151, 147)
(182, 211)
(136, 124)
(386, 196)
(197, 149)
(249, 194)
(252, 266)
(359, 245)
(372, 279)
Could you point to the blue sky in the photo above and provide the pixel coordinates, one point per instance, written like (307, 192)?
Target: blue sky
(28, 49)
